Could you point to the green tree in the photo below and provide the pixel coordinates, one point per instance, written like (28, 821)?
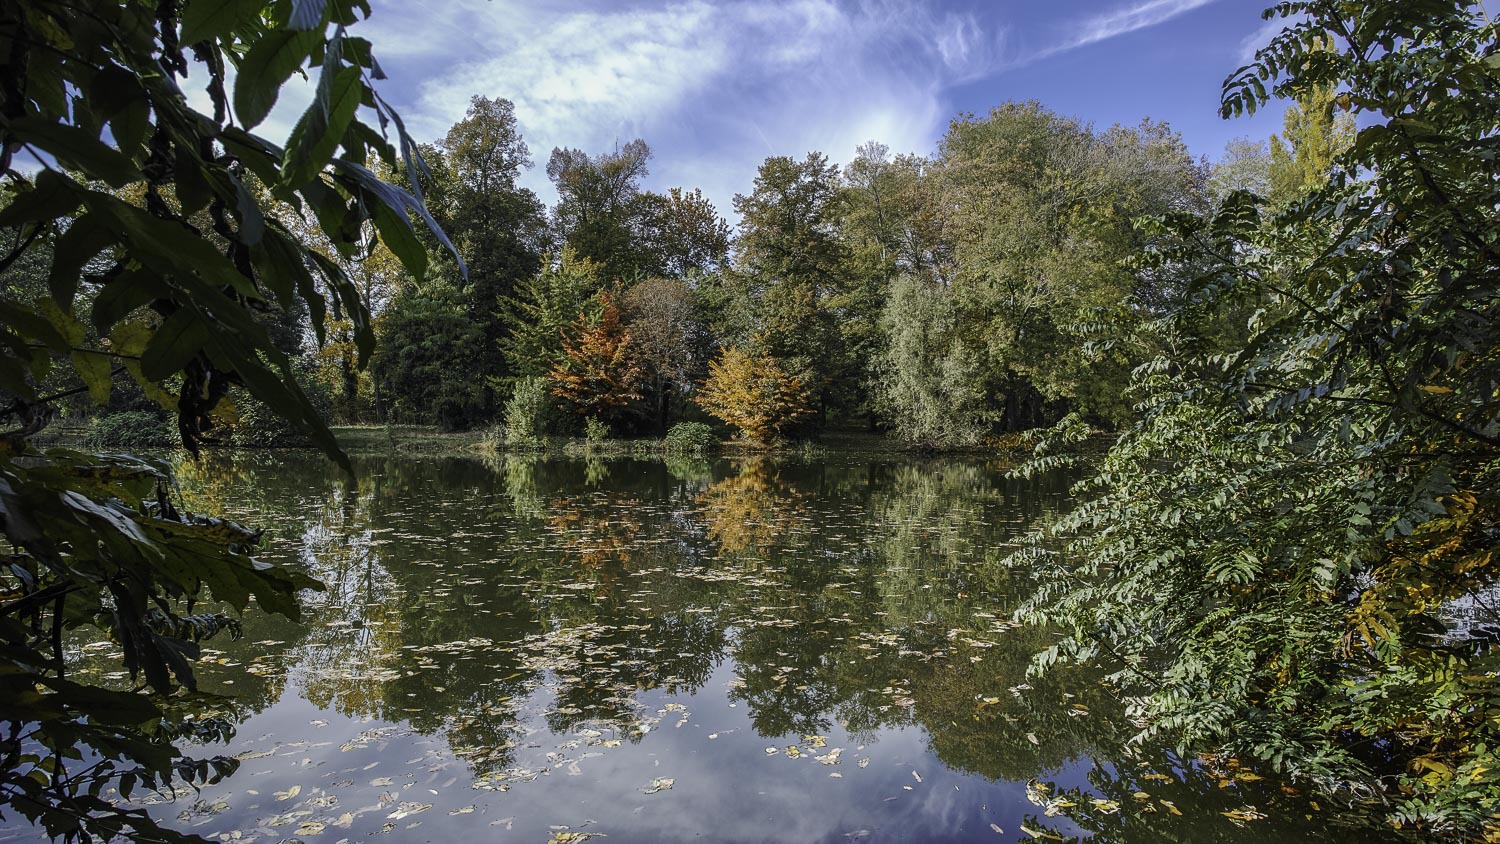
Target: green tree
(99, 541)
(790, 270)
(598, 206)
(680, 234)
(499, 226)
(1274, 558)
(431, 350)
(929, 382)
(544, 307)
(447, 370)
(1245, 166)
(1040, 211)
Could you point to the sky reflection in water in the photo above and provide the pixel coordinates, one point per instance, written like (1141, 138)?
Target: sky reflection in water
(749, 650)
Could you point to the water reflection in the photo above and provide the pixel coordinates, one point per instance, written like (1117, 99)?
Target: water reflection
(805, 650)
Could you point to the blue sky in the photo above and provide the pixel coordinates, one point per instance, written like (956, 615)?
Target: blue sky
(715, 87)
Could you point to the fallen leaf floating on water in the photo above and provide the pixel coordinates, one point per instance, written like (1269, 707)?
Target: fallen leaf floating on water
(997, 829)
(659, 784)
(573, 837)
(792, 752)
(771, 751)
(1244, 815)
(816, 741)
(464, 811)
(407, 809)
(289, 793)
(916, 776)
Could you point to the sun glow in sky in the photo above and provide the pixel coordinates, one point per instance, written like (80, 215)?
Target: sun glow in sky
(716, 87)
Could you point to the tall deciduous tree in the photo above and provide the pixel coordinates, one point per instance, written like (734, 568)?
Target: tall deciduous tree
(1302, 157)
(544, 307)
(1040, 215)
(597, 207)
(666, 322)
(791, 269)
(680, 234)
(501, 229)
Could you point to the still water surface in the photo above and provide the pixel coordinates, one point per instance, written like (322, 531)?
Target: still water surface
(734, 650)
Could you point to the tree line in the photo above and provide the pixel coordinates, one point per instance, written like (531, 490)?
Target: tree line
(943, 298)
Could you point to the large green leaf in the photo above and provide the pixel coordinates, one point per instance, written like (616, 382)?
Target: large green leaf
(206, 20)
(179, 339)
(265, 68)
(76, 148)
(321, 127)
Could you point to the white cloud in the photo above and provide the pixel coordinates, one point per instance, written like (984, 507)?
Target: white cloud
(714, 87)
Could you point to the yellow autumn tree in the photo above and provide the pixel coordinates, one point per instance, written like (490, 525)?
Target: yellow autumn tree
(753, 393)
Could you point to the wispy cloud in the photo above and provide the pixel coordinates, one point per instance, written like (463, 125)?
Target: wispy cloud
(734, 81)
(1116, 22)
(714, 87)
(1261, 37)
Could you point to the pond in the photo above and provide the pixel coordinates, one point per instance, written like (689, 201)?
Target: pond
(533, 649)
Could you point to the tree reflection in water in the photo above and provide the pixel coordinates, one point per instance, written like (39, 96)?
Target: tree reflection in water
(492, 604)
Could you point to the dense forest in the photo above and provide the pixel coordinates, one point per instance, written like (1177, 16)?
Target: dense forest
(1295, 350)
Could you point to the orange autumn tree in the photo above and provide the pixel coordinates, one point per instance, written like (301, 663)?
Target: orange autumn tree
(753, 393)
(599, 374)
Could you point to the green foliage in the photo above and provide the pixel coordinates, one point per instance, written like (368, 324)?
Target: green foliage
(1042, 211)
(258, 426)
(528, 414)
(165, 239)
(598, 213)
(680, 234)
(930, 385)
(790, 267)
(1274, 560)
(429, 350)
(595, 430)
(498, 226)
(130, 429)
(689, 438)
(1245, 166)
(1302, 158)
(544, 308)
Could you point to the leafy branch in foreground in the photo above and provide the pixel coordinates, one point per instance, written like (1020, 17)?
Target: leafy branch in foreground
(1292, 555)
(147, 242)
